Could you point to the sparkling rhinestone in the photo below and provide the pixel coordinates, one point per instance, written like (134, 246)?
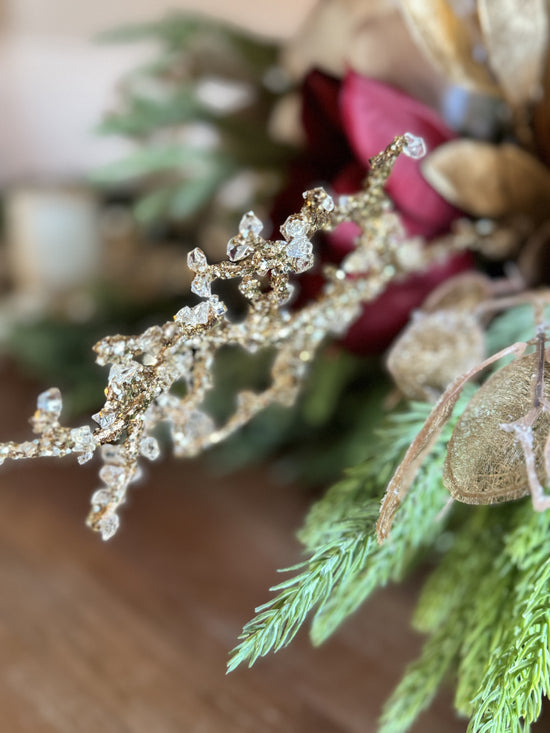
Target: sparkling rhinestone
(185, 315)
(108, 525)
(152, 339)
(28, 448)
(196, 259)
(294, 226)
(112, 475)
(111, 453)
(250, 224)
(344, 201)
(101, 498)
(50, 402)
(238, 250)
(299, 247)
(197, 425)
(120, 375)
(328, 203)
(85, 457)
(149, 447)
(201, 285)
(201, 312)
(415, 147)
(217, 307)
(82, 438)
(301, 264)
(104, 418)
(193, 316)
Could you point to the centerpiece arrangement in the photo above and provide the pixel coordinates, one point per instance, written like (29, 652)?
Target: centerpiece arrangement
(409, 217)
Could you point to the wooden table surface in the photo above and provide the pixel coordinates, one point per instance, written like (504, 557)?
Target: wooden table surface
(133, 635)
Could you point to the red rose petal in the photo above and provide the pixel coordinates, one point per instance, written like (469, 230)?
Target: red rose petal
(381, 320)
(373, 114)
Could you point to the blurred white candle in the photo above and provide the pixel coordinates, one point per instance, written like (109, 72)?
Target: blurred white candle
(53, 238)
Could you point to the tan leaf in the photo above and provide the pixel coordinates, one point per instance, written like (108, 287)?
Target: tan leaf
(516, 37)
(447, 41)
(324, 39)
(383, 48)
(487, 180)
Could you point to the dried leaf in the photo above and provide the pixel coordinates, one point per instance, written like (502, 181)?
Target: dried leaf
(516, 37)
(433, 350)
(383, 48)
(324, 40)
(447, 41)
(492, 181)
(462, 293)
(486, 464)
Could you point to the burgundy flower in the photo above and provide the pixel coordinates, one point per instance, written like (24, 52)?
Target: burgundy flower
(347, 123)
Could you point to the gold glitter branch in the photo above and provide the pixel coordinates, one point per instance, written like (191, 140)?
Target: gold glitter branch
(145, 368)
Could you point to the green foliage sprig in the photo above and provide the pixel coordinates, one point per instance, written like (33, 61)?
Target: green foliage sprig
(485, 607)
(162, 99)
(346, 562)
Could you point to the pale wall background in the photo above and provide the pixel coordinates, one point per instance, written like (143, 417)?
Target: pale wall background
(55, 82)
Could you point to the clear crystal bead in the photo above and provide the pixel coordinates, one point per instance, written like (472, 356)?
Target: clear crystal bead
(104, 418)
(344, 201)
(82, 438)
(184, 315)
(111, 453)
(294, 226)
(28, 448)
(301, 264)
(113, 475)
(415, 147)
(238, 250)
(201, 285)
(85, 457)
(250, 224)
(152, 339)
(193, 316)
(108, 525)
(200, 423)
(201, 312)
(299, 247)
(101, 498)
(217, 307)
(328, 203)
(196, 259)
(50, 402)
(149, 448)
(120, 375)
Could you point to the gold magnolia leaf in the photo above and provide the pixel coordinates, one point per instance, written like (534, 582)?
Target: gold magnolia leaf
(383, 48)
(447, 41)
(324, 39)
(491, 181)
(516, 39)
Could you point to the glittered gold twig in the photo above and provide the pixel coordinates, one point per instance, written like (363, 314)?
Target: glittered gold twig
(144, 368)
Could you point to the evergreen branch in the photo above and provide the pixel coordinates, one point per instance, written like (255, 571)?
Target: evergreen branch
(422, 679)
(449, 617)
(339, 534)
(417, 528)
(518, 672)
(278, 621)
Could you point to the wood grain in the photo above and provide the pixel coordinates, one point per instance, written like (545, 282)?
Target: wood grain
(133, 635)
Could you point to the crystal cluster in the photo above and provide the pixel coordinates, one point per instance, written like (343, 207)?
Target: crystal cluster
(145, 368)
